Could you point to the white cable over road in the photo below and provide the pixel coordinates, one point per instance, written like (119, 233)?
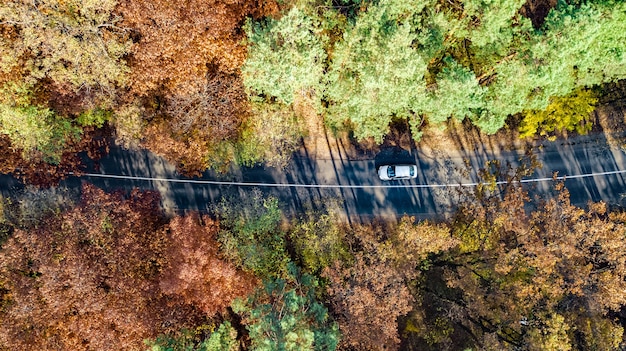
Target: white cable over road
(350, 186)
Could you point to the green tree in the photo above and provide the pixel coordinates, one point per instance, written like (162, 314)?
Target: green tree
(285, 316)
(285, 57)
(319, 240)
(476, 59)
(252, 238)
(37, 131)
(585, 42)
(376, 72)
(579, 46)
(222, 339)
(458, 87)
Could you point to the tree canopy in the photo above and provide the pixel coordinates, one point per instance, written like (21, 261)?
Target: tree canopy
(431, 60)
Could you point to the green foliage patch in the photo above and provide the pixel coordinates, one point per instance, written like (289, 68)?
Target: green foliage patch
(252, 237)
(222, 339)
(319, 241)
(431, 61)
(285, 315)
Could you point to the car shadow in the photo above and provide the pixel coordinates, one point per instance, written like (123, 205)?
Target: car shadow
(393, 155)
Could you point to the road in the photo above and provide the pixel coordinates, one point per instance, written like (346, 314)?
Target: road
(352, 187)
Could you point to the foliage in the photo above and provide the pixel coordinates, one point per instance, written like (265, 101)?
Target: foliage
(128, 124)
(27, 127)
(286, 57)
(96, 117)
(570, 113)
(376, 72)
(270, 135)
(583, 43)
(179, 44)
(199, 123)
(319, 240)
(542, 266)
(222, 339)
(284, 315)
(37, 171)
(410, 245)
(195, 271)
(88, 278)
(190, 156)
(252, 237)
(76, 44)
(185, 71)
(429, 61)
(553, 337)
(40, 144)
(36, 131)
(368, 296)
(458, 86)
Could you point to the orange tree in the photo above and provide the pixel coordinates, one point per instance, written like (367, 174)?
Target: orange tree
(110, 272)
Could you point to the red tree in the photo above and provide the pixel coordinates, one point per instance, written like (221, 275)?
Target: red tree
(195, 270)
(87, 279)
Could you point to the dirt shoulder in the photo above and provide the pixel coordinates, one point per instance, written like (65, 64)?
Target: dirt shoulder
(462, 138)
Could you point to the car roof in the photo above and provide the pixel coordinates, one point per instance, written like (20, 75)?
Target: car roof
(403, 170)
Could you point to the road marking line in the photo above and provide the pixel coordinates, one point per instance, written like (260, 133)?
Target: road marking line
(291, 185)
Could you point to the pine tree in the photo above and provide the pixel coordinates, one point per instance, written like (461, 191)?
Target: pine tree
(285, 316)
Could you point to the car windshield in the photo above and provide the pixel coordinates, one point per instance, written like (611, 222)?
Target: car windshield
(391, 171)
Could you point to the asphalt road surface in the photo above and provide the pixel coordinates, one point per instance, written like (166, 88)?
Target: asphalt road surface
(592, 170)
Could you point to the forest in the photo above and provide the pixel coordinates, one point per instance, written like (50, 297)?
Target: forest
(215, 84)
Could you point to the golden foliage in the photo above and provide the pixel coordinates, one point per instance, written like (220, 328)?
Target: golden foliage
(571, 113)
(74, 42)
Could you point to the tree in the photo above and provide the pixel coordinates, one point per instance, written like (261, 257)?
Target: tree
(570, 113)
(411, 245)
(88, 278)
(286, 57)
(585, 42)
(35, 131)
(552, 337)
(520, 273)
(285, 315)
(319, 240)
(570, 52)
(376, 73)
(58, 59)
(222, 339)
(430, 61)
(178, 43)
(458, 87)
(75, 44)
(252, 238)
(185, 75)
(271, 135)
(367, 297)
(195, 271)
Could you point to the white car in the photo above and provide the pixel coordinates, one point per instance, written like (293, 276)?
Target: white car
(396, 172)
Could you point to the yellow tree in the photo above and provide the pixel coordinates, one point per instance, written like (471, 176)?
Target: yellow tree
(75, 44)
